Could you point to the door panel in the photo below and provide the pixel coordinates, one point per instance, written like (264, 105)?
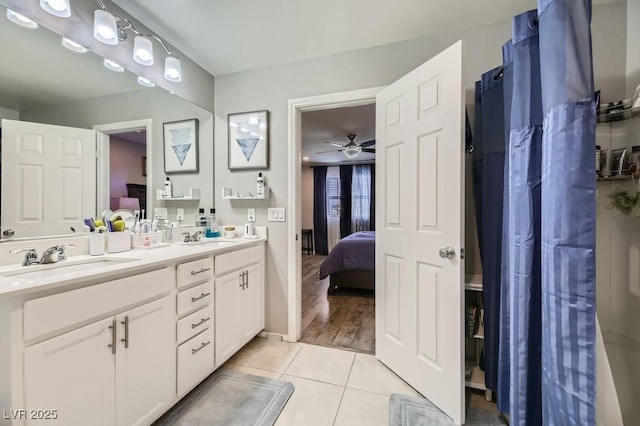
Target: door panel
(420, 178)
(49, 178)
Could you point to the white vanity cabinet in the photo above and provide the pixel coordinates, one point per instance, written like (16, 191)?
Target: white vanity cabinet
(239, 299)
(194, 327)
(116, 370)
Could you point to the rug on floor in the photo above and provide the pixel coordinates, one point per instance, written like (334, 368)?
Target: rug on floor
(415, 411)
(231, 398)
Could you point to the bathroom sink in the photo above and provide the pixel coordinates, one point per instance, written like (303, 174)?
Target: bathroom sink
(216, 242)
(61, 268)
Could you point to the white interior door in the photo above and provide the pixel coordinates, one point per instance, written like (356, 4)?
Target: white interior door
(48, 178)
(420, 187)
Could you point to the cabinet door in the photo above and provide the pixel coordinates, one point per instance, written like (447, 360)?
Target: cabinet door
(252, 304)
(74, 374)
(145, 377)
(227, 313)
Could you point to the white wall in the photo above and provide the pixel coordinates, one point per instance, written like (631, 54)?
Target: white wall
(307, 197)
(160, 107)
(272, 87)
(126, 165)
(9, 114)
(633, 46)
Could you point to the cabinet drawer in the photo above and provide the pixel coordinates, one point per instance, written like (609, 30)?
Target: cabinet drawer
(194, 298)
(237, 259)
(195, 272)
(195, 361)
(194, 323)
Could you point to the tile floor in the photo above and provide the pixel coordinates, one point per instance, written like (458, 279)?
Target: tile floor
(332, 386)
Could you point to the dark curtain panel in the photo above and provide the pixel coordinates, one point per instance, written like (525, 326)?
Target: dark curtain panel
(372, 209)
(346, 176)
(320, 209)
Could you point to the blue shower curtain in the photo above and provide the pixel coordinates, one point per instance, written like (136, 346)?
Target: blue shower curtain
(568, 215)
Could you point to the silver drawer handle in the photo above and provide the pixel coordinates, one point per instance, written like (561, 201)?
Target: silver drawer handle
(204, 344)
(195, 299)
(200, 323)
(200, 271)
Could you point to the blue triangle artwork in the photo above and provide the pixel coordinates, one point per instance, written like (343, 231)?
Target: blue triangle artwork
(248, 146)
(181, 144)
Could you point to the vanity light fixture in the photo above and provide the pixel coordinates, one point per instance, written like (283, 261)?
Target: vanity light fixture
(23, 21)
(108, 29)
(113, 66)
(60, 8)
(305, 158)
(73, 46)
(144, 82)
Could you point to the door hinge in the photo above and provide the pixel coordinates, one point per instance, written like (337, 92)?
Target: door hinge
(296, 237)
(461, 253)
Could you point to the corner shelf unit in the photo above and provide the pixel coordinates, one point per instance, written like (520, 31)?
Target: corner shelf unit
(193, 195)
(473, 291)
(227, 194)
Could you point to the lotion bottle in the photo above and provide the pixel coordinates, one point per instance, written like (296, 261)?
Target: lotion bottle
(260, 186)
(168, 188)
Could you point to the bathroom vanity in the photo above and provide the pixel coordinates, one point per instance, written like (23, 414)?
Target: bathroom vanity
(119, 341)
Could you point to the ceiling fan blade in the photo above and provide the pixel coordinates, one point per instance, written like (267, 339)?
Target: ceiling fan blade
(334, 144)
(368, 143)
(373, 150)
(333, 150)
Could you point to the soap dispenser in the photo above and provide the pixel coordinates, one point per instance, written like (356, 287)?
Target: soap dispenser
(168, 188)
(260, 186)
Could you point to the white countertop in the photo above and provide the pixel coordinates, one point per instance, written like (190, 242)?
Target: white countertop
(140, 259)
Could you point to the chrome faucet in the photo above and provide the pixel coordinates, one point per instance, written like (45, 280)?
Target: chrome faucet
(30, 256)
(55, 254)
(192, 238)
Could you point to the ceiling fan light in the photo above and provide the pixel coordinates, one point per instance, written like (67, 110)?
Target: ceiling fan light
(21, 20)
(73, 46)
(143, 51)
(105, 29)
(113, 66)
(352, 151)
(60, 8)
(172, 69)
(145, 82)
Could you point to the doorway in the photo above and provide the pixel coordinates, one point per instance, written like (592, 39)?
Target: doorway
(296, 109)
(125, 166)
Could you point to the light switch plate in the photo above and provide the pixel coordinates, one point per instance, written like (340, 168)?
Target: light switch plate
(251, 215)
(276, 214)
(180, 215)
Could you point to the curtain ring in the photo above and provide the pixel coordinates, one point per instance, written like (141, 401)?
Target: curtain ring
(533, 23)
(499, 74)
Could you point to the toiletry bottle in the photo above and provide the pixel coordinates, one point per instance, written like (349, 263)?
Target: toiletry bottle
(210, 220)
(168, 188)
(215, 228)
(167, 232)
(260, 186)
(201, 218)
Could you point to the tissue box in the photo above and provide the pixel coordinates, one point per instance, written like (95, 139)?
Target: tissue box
(118, 241)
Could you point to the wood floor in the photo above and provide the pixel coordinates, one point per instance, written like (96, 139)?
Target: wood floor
(344, 320)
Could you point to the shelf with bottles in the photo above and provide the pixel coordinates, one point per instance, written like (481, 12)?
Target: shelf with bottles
(619, 111)
(192, 195)
(228, 194)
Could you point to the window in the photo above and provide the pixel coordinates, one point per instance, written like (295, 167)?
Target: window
(360, 198)
(333, 197)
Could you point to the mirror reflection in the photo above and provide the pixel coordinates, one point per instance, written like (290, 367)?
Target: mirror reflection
(52, 97)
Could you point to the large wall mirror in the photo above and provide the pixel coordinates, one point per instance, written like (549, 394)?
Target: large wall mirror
(45, 89)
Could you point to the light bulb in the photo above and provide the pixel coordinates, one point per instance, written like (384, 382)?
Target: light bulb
(105, 29)
(73, 46)
(143, 81)
(143, 51)
(113, 66)
(172, 69)
(60, 8)
(21, 20)
(305, 158)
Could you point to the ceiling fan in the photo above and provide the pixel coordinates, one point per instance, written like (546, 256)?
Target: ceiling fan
(352, 149)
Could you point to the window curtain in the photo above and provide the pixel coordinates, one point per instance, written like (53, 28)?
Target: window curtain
(361, 198)
(372, 205)
(333, 206)
(346, 174)
(568, 216)
(320, 209)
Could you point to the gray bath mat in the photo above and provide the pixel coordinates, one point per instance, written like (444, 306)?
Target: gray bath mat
(415, 411)
(231, 398)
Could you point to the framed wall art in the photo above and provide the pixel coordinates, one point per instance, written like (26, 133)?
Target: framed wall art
(248, 144)
(181, 146)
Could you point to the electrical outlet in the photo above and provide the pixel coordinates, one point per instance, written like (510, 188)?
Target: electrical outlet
(251, 215)
(180, 215)
(276, 214)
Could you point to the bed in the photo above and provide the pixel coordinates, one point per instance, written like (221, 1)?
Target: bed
(351, 263)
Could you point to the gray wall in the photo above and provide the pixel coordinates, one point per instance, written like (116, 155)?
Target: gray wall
(633, 48)
(271, 88)
(160, 107)
(9, 114)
